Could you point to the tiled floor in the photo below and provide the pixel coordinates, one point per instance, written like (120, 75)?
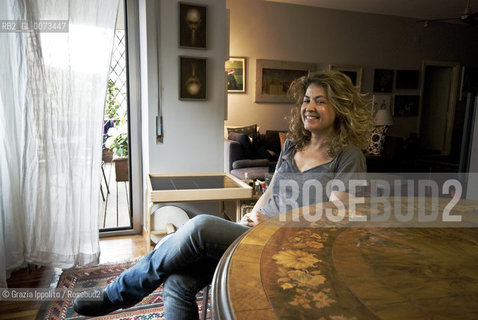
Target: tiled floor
(115, 210)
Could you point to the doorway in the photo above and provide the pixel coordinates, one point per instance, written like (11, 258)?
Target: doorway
(115, 211)
(122, 215)
(437, 107)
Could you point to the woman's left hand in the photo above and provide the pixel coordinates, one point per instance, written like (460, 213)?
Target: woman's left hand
(252, 219)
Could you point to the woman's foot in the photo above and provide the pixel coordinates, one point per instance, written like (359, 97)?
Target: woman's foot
(94, 303)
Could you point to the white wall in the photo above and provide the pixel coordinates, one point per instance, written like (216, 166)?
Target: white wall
(277, 31)
(193, 130)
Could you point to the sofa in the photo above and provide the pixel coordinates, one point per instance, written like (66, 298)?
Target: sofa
(248, 151)
(254, 154)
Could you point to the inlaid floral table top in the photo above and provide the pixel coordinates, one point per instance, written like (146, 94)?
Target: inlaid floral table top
(291, 270)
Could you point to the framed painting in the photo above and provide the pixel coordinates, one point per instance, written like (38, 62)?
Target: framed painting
(192, 78)
(273, 78)
(406, 105)
(382, 102)
(236, 74)
(407, 79)
(192, 26)
(383, 80)
(353, 72)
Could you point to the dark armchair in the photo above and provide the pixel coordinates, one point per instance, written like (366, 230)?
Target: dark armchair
(390, 159)
(257, 157)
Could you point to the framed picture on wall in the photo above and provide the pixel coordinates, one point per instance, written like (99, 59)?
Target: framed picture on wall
(274, 77)
(192, 26)
(353, 72)
(406, 105)
(407, 79)
(383, 80)
(192, 78)
(236, 74)
(382, 102)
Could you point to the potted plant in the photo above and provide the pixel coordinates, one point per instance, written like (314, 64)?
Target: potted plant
(111, 117)
(118, 142)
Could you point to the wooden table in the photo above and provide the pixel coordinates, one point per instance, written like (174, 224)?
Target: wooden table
(163, 188)
(301, 270)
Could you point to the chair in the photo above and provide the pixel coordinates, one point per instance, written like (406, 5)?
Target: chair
(205, 296)
(106, 182)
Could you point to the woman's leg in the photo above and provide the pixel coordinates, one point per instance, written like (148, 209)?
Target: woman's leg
(180, 289)
(202, 238)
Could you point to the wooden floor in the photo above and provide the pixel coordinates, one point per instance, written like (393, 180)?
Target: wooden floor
(113, 250)
(115, 209)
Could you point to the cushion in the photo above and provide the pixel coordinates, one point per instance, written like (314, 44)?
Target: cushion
(250, 131)
(271, 141)
(282, 137)
(377, 140)
(246, 144)
(261, 152)
(247, 163)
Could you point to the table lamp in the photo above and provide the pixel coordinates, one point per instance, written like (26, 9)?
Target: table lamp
(383, 120)
(383, 117)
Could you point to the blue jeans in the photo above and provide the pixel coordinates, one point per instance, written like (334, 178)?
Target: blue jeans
(185, 263)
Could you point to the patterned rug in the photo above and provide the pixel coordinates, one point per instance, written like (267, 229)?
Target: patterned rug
(151, 307)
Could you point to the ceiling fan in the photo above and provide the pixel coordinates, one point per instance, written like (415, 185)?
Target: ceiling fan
(468, 17)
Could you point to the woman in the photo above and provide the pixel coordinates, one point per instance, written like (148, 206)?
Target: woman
(329, 122)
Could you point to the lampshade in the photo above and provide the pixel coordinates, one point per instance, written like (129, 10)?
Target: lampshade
(383, 117)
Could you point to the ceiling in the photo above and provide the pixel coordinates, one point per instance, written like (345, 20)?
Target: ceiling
(417, 9)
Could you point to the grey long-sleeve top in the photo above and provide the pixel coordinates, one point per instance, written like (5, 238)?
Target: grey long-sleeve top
(293, 189)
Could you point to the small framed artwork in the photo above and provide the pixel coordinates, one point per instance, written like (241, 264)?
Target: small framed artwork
(406, 79)
(273, 78)
(382, 102)
(353, 72)
(236, 74)
(383, 80)
(192, 78)
(382, 111)
(192, 26)
(406, 105)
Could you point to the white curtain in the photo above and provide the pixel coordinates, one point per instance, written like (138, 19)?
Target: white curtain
(52, 93)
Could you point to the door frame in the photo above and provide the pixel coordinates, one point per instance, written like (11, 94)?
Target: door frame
(453, 90)
(134, 121)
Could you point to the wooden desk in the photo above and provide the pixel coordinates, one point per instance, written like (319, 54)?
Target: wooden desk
(290, 270)
(163, 188)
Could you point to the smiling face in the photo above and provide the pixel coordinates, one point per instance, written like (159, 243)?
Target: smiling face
(317, 115)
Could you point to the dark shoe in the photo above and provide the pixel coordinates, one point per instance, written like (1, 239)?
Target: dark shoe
(94, 303)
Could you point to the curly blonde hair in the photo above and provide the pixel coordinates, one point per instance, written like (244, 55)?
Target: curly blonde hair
(353, 120)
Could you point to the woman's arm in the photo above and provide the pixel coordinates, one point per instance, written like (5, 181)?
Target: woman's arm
(339, 196)
(265, 196)
(253, 218)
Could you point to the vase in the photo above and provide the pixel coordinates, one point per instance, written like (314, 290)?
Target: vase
(107, 155)
(121, 168)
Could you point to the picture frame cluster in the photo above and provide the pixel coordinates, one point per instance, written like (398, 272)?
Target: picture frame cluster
(192, 35)
(395, 90)
(401, 85)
